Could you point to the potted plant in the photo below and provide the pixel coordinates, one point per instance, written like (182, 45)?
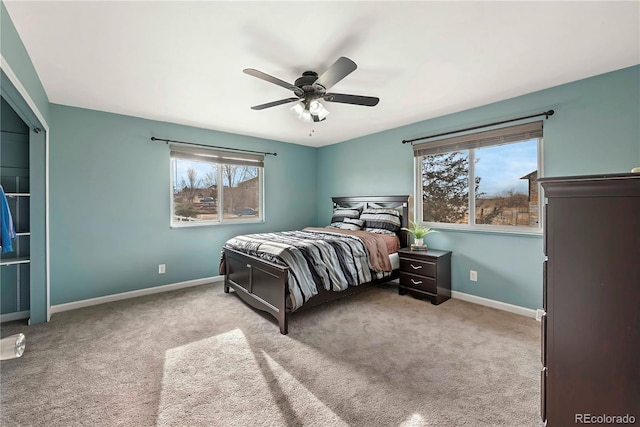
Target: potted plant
(418, 232)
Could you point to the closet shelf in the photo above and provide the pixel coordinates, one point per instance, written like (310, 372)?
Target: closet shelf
(12, 261)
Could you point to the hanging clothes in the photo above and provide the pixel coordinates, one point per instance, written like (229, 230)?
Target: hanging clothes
(7, 231)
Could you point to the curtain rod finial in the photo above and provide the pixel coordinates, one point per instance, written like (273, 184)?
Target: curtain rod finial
(549, 113)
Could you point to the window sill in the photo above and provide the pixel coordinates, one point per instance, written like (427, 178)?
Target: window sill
(188, 224)
(535, 233)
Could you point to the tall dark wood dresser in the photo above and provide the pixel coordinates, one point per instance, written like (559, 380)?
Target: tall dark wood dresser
(591, 297)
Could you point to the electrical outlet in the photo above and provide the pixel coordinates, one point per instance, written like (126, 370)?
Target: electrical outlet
(473, 275)
(162, 269)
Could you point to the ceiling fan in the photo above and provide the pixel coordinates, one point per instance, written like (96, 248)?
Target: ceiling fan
(310, 88)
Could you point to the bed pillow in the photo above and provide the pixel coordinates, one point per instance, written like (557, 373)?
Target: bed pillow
(352, 224)
(339, 214)
(381, 220)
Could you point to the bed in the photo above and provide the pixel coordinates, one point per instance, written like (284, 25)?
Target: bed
(262, 279)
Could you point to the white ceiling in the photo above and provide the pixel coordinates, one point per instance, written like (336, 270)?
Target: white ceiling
(182, 62)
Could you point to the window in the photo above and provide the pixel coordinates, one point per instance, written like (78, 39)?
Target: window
(486, 180)
(212, 186)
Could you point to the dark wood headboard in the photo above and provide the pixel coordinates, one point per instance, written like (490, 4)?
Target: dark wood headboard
(400, 203)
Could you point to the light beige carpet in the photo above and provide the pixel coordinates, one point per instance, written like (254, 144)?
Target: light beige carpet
(199, 357)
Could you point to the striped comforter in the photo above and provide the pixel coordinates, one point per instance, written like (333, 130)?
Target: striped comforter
(315, 257)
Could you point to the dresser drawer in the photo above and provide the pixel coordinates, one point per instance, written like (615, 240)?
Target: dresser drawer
(420, 267)
(422, 283)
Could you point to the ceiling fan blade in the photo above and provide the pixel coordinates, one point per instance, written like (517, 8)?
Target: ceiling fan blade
(274, 103)
(274, 80)
(338, 71)
(369, 101)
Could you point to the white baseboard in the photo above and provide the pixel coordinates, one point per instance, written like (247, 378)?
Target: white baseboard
(523, 311)
(133, 294)
(18, 315)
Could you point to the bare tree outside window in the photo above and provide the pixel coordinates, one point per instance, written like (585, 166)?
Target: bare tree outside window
(191, 185)
(240, 191)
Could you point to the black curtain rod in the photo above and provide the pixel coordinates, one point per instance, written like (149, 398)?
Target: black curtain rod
(546, 114)
(153, 138)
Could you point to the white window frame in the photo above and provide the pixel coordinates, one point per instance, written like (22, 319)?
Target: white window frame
(471, 225)
(219, 157)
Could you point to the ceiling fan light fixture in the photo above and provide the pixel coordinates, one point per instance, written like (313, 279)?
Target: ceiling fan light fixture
(298, 109)
(315, 113)
(317, 110)
(301, 113)
(315, 106)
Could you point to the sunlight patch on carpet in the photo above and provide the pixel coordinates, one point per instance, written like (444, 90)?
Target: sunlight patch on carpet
(415, 420)
(215, 382)
(302, 402)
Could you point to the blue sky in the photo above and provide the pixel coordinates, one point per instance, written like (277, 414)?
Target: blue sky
(501, 167)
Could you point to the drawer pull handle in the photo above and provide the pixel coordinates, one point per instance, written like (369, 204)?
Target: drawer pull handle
(416, 282)
(415, 267)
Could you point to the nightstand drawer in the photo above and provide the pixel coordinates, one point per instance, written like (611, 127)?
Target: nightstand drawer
(422, 283)
(414, 266)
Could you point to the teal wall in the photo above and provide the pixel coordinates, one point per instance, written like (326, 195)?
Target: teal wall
(110, 203)
(596, 129)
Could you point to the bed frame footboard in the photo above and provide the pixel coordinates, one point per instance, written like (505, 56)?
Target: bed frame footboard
(264, 286)
(261, 284)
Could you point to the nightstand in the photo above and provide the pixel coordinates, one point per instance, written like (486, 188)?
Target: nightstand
(425, 274)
